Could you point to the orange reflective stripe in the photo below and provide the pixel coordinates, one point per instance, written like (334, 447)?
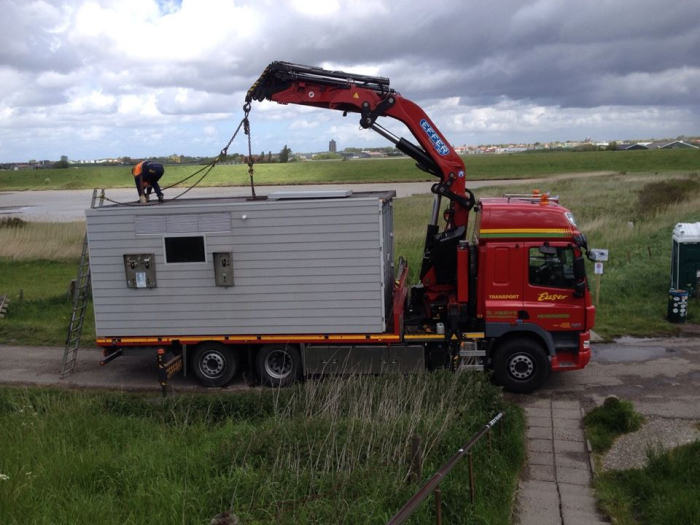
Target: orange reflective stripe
(136, 170)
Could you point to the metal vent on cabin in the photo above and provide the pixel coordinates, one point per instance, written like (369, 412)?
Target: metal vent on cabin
(151, 225)
(183, 224)
(214, 222)
(188, 223)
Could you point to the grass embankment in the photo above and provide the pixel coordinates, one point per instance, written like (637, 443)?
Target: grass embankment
(665, 491)
(479, 167)
(333, 451)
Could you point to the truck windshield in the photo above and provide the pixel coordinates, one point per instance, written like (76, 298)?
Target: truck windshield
(554, 269)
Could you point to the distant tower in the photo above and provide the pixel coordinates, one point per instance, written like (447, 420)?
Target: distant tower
(332, 146)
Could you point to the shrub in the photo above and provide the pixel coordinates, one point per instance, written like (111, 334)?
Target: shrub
(614, 418)
(12, 222)
(657, 196)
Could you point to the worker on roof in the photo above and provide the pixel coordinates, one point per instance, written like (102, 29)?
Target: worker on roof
(146, 176)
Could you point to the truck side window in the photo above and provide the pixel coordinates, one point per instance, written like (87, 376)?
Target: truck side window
(554, 270)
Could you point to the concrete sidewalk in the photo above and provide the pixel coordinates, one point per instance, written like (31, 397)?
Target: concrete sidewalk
(555, 488)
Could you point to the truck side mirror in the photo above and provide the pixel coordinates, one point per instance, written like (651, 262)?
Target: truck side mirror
(579, 269)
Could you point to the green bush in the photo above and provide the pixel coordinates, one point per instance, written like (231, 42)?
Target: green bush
(614, 418)
(660, 195)
(12, 222)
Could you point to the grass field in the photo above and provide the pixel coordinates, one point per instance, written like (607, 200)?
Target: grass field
(479, 167)
(334, 451)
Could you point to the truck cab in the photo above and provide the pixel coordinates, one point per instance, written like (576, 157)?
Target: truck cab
(532, 295)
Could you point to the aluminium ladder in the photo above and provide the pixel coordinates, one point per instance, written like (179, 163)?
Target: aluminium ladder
(81, 297)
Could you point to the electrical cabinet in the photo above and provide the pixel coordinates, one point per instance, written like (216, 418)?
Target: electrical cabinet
(223, 268)
(140, 270)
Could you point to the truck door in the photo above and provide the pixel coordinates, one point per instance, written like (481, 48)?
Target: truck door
(502, 283)
(549, 298)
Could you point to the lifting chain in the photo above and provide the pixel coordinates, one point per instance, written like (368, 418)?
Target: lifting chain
(245, 124)
(246, 130)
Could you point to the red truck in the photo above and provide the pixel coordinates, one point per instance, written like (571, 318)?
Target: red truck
(512, 298)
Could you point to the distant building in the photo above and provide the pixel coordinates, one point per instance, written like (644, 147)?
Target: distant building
(659, 144)
(332, 147)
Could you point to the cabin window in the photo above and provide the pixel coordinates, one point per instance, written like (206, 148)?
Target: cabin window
(552, 267)
(184, 249)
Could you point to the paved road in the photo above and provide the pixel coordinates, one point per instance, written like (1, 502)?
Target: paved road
(70, 205)
(661, 376)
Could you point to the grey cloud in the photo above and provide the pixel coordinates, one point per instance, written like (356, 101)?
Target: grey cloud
(554, 53)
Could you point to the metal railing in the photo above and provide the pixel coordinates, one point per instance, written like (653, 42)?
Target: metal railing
(433, 484)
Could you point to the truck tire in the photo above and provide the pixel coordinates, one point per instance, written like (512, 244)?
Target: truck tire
(520, 366)
(214, 364)
(279, 365)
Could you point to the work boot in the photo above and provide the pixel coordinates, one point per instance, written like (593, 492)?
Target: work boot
(142, 199)
(160, 198)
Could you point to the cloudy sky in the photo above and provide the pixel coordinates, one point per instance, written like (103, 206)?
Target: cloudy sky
(107, 78)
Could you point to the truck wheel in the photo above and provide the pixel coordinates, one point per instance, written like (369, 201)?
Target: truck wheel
(214, 364)
(279, 365)
(520, 366)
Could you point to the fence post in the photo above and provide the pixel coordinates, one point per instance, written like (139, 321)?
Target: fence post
(438, 506)
(415, 474)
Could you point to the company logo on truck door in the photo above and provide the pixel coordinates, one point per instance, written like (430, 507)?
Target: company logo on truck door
(438, 143)
(546, 296)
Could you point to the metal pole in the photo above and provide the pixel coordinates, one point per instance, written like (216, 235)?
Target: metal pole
(416, 464)
(472, 488)
(438, 506)
(435, 215)
(162, 372)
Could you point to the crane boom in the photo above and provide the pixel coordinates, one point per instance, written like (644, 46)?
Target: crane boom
(371, 97)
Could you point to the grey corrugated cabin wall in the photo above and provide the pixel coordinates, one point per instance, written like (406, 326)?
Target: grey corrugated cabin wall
(299, 267)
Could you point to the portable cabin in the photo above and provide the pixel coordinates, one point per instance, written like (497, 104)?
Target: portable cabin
(289, 263)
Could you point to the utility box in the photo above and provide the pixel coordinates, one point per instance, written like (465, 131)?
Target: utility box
(320, 264)
(685, 257)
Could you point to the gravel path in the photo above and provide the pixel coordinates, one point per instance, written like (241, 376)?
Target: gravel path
(630, 450)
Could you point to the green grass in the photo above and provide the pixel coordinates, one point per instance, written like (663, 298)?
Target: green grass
(612, 419)
(665, 491)
(333, 451)
(39, 309)
(479, 167)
